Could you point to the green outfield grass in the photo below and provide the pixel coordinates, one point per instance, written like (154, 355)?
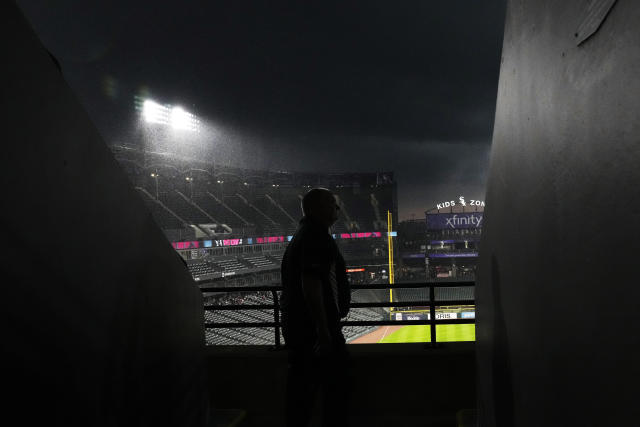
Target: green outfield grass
(422, 333)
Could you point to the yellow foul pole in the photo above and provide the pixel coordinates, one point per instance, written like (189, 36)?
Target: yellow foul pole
(390, 240)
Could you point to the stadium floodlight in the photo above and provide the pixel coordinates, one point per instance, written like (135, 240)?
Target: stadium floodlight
(180, 119)
(175, 116)
(154, 112)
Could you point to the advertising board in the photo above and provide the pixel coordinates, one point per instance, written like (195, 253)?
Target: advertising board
(454, 221)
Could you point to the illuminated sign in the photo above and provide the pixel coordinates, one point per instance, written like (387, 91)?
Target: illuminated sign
(460, 202)
(354, 270)
(267, 239)
(455, 255)
(414, 316)
(224, 242)
(454, 221)
(271, 239)
(360, 235)
(186, 245)
(425, 316)
(444, 316)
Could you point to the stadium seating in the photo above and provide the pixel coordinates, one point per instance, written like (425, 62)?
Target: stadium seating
(360, 209)
(240, 210)
(262, 336)
(411, 294)
(164, 218)
(237, 204)
(359, 249)
(268, 204)
(216, 210)
(290, 202)
(441, 294)
(352, 332)
(182, 193)
(265, 336)
(184, 209)
(277, 258)
(261, 261)
(201, 269)
(456, 293)
(228, 265)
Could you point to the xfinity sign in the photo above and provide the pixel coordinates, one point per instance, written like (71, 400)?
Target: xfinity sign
(457, 221)
(454, 221)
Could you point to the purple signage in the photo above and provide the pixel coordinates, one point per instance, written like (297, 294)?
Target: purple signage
(413, 256)
(454, 255)
(454, 221)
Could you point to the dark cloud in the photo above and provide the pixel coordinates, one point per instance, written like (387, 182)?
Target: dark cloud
(406, 85)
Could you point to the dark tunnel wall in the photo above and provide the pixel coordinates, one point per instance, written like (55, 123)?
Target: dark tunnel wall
(557, 295)
(102, 324)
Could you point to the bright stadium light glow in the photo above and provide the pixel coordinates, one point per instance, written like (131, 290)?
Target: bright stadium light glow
(154, 113)
(180, 119)
(177, 117)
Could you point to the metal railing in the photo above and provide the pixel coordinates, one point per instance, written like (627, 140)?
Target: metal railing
(431, 303)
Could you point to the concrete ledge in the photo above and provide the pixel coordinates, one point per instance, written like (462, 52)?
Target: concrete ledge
(392, 382)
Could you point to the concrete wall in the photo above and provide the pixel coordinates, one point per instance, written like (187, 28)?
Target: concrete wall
(390, 385)
(101, 322)
(558, 293)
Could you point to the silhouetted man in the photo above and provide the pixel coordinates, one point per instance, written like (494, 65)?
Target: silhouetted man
(315, 295)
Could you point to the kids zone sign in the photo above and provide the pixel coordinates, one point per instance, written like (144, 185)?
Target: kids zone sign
(460, 202)
(454, 221)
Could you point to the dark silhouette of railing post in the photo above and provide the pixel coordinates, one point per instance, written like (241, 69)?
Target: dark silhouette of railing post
(432, 314)
(276, 316)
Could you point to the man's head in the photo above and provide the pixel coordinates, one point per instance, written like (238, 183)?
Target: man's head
(320, 205)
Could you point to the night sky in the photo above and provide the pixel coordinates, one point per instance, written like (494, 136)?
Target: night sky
(408, 86)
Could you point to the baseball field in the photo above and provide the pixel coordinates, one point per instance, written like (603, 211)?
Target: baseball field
(418, 333)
